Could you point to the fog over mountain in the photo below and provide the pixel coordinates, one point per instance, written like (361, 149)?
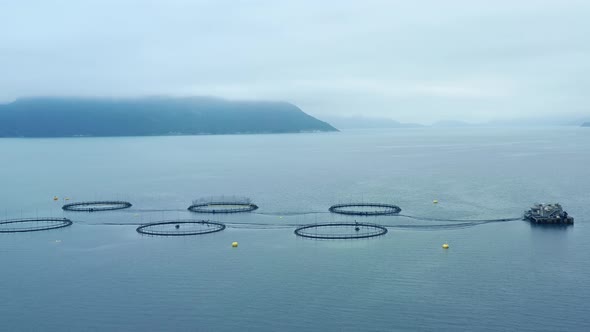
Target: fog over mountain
(411, 61)
(67, 117)
(358, 122)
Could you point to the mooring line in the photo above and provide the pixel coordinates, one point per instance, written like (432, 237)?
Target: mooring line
(461, 220)
(291, 213)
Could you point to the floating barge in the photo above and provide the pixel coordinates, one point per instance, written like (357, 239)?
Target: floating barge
(548, 214)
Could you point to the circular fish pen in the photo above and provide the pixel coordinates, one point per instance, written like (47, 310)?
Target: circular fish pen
(231, 204)
(95, 206)
(365, 209)
(341, 231)
(181, 228)
(222, 207)
(33, 224)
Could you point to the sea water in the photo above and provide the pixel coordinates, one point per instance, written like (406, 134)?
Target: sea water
(100, 274)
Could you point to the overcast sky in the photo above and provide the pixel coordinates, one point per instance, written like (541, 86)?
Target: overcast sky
(419, 61)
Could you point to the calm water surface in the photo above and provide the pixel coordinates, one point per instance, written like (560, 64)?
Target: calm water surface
(99, 274)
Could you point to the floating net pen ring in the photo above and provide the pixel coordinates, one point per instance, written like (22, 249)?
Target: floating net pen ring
(341, 231)
(181, 228)
(365, 209)
(33, 224)
(94, 206)
(222, 207)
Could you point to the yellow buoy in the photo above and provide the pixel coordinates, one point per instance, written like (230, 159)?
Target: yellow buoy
(55, 198)
(234, 244)
(67, 198)
(445, 246)
(435, 201)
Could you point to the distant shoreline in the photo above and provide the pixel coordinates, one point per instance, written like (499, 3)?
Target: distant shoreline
(155, 116)
(171, 135)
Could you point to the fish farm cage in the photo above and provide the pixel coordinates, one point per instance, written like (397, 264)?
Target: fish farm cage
(94, 206)
(232, 204)
(365, 209)
(33, 224)
(341, 231)
(182, 227)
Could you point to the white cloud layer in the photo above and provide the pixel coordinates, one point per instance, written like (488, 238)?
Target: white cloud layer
(417, 61)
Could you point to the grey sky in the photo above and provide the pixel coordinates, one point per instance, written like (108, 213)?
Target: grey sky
(418, 61)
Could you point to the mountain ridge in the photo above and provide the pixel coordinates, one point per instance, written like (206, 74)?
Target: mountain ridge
(151, 116)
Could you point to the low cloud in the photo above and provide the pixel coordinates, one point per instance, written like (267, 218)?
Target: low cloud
(419, 61)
